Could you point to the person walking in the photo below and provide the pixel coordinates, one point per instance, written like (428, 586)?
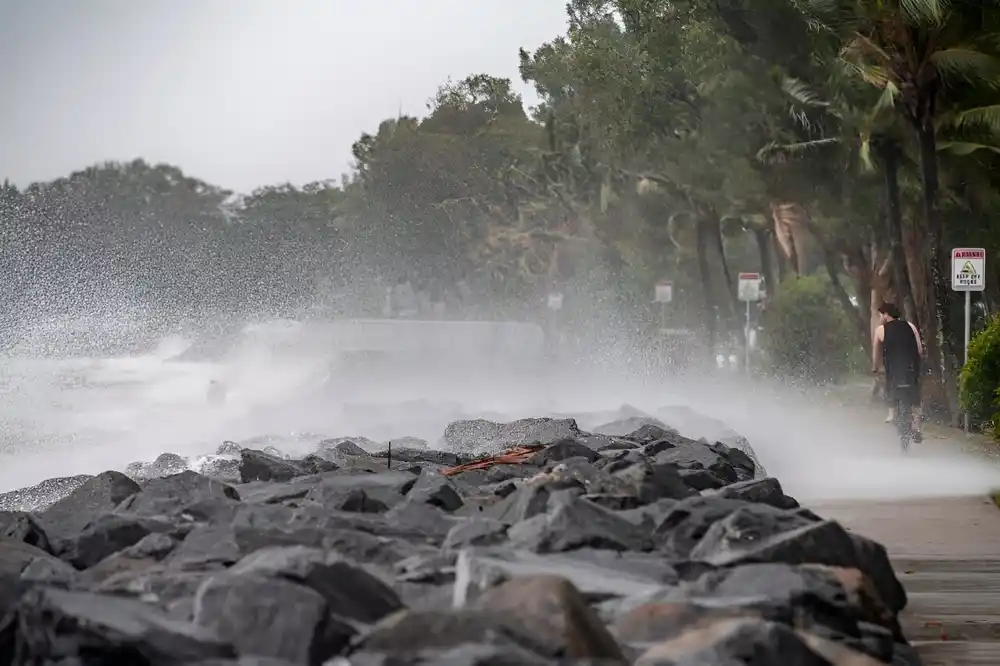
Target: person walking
(897, 350)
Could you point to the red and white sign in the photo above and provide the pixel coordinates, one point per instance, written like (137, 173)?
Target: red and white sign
(968, 269)
(749, 287)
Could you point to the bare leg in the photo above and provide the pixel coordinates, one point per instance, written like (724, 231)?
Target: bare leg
(917, 435)
(885, 393)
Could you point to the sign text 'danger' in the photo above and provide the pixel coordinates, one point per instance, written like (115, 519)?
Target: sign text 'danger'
(969, 254)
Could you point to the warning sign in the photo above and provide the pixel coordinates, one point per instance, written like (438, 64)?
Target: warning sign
(968, 269)
(748, 287)
(664, 292)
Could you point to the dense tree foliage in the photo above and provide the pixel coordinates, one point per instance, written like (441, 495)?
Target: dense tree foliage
(674, 139)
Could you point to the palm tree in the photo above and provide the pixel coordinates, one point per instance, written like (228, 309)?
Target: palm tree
(837, 117)
(917, 53)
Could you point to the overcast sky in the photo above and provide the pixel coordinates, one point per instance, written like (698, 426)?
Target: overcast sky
(238, 92)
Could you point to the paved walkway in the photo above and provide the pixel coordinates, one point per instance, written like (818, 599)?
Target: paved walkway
(946, 551)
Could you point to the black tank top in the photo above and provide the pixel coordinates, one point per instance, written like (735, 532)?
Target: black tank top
(900, 353)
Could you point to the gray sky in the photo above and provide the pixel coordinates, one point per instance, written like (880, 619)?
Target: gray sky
(238, 92)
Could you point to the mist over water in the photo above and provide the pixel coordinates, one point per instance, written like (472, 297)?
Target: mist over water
(72, 415)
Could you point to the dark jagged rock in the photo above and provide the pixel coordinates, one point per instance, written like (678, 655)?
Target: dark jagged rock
(635, 544)
(765, 491)
(141, 556)
(427, 520)
(262, 466)
(348, 589)
(387, 488)
(93, 497)
(107, 535)
(268, 492)
(742, 537)
(695, 455)
(16, 555)
(476, 532)
(690, 520)
(435, 489)
(402, 454)
(653, 481)
(701, 479)
(703, 645)
(564, 450)
(466, 654)
(22, 526)
(836, 603)
(552, 606)
(410, 631)
(572, 523)
(51, 625)
(240, 610)
(168, 494)
(525, 502)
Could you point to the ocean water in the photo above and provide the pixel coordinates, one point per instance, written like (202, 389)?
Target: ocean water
(60, 417)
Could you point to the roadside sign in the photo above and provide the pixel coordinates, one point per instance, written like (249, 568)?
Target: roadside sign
(968, 274)
(968, 269)
(749, 287)
(664, 292)
(555, 301)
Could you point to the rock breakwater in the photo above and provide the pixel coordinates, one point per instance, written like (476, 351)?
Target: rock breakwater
(628, 545)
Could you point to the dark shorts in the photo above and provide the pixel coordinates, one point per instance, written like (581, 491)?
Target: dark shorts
(903, 395)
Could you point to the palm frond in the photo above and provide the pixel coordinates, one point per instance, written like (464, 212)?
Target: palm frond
(967, 63)
(824, 15)
(987, 117)
(865, 154)
(777, 152)
(963, 148)
(863, 51)
(870, 74)
(924, 12)
(801, 93)
(887, 100)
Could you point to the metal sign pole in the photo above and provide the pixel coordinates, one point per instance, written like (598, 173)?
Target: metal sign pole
(968, 330)
(968, 274)
(746, 341)
(748, 289)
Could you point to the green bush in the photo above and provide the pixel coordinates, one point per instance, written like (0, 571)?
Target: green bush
(806, 334)
(980, 378)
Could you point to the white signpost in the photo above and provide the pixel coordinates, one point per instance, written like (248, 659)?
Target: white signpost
(555, 301)
(749, 292)
(663, 294)
(968, 274)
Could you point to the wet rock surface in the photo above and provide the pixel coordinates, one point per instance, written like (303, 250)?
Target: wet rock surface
(631, 544)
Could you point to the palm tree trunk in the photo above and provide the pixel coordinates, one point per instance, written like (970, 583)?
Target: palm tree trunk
(891, 152)
(765, 247)
(939, 277)
(701, 248)
(727, 274)
(830, 262)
